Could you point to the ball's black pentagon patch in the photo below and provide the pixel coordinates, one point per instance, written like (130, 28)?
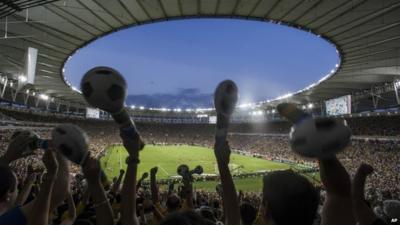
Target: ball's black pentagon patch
(115, 92)
(324, 124)
(67, 151)
(87, 89)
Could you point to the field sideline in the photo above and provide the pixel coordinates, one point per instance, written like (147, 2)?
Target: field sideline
(169, 157)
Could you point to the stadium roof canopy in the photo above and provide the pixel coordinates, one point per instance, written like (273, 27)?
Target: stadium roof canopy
(365, 32)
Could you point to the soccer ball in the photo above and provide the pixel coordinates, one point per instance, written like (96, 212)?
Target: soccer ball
(34, 141)
(225, 97)
(182, 170)
(104, 88)
(319, 137)
(72, 142)
(198, 170)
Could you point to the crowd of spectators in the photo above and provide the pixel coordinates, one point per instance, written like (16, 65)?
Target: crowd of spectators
(89, 199)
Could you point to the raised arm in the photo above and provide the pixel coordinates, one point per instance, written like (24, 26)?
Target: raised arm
(104, 213)
(363, 213)
(153, 185)
(337, 207)
(133, 145)
(71, 211)
(116, 186)
(229, 197)
(37, 211)
(61, 186)
(139, 183)
(26, 188)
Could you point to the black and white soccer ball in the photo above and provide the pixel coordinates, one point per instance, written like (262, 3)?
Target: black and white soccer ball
(104, 88)
(225, 97)
(198, 170)
(319, 137)
(32, 138)
(183, 170)
(72, 142)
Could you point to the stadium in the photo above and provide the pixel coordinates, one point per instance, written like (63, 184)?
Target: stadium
(327, 153)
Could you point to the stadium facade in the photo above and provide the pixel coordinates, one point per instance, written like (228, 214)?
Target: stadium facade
(39, 37)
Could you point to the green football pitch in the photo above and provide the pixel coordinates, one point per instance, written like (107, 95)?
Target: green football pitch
(168, 158)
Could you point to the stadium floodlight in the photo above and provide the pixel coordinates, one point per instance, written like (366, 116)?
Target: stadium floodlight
(22, 78)
(310, 106)
(141, 107)
(44, 97)
(27, 91)
(133, 106)
(315, 137)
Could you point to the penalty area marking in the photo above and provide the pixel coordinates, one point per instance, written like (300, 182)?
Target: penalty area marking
(166, 173)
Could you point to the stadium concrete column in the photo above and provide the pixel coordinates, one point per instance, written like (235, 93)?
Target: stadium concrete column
(26, 98)
(37, 99)
(48, 104)
(4, 87)
(396, 85)
(14, 94)
(375, 100)
(58, 104)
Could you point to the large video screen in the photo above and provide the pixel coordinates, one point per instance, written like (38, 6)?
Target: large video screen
(338, 106)
(92, 113)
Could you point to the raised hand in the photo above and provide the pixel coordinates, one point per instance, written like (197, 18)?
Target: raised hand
(153, 170)
(132, 142)
(50, 162)
(91, 170)
(121, 172)
(363, 213)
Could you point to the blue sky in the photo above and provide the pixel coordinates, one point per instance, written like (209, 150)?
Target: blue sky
(185, 60)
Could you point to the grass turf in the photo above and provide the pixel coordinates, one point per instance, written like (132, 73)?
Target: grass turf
(168, 158)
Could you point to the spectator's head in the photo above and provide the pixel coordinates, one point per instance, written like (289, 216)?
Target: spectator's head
(173, 203)
(289, 199)
(8, 187)
(248, 213)
(185, 218)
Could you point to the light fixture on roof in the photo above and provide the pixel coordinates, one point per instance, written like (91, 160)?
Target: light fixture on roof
(44, 97)
(22, 78)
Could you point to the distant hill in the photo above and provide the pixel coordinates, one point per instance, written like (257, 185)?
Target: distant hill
(185, 98)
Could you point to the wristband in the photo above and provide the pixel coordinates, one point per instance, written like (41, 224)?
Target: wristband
(100, 204)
